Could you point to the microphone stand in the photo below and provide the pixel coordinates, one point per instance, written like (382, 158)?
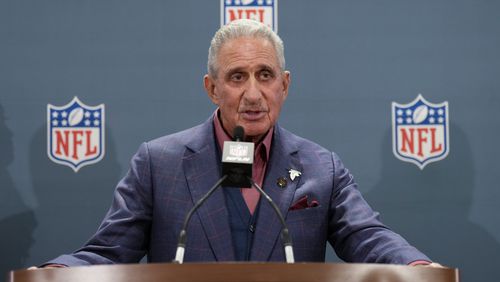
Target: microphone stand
(285, 235)
(181, 243)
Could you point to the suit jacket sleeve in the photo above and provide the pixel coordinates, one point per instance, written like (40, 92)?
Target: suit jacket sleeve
(124, 233)
(356, 233)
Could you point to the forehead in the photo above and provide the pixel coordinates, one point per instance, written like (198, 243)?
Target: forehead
(246, 52)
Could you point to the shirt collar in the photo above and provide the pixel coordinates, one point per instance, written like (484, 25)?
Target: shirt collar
(221, 136)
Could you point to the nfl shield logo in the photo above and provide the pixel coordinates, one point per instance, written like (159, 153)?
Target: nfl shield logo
(75, 134)
(264, 11)
(238, 150)
(420, 131)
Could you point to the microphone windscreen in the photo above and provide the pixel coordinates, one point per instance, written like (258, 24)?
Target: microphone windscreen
(238, 133)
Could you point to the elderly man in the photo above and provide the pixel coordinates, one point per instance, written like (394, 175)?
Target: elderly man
(321, 203)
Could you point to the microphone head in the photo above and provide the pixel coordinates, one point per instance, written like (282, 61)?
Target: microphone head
(238, 133)
(237, 160)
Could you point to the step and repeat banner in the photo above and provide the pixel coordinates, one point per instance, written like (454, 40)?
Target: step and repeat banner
(406, 92)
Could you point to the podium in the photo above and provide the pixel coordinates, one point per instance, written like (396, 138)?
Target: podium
(237, 272)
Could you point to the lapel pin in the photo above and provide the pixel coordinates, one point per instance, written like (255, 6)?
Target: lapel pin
(294, 174)
(281, 182)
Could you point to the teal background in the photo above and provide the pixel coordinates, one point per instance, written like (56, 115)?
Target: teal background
(349, 60)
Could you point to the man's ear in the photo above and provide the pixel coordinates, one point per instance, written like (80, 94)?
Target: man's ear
(209, 84)
(286, 83)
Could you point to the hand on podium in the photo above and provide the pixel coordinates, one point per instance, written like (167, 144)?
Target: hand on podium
(432, 264)
(47, 266)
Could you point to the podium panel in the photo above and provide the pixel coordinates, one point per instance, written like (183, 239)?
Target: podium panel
(236, 272)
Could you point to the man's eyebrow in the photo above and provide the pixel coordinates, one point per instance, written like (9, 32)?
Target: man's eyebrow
(233, 70)
(242, 69)
(265, 67)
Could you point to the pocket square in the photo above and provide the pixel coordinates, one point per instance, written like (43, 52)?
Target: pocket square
(303, 203)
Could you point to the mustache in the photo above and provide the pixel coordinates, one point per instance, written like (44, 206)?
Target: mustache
(252, 107)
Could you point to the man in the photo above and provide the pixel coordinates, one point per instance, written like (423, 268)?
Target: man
(247, 81)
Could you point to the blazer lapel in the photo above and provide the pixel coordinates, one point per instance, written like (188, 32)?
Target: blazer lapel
(202, 169)
(268, 228)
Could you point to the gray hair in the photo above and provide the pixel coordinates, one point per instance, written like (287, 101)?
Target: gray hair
(243, 28)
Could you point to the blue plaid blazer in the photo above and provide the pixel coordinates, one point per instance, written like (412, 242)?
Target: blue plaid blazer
(169, 174)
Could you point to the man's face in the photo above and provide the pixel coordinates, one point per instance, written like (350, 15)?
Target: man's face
(250, 88)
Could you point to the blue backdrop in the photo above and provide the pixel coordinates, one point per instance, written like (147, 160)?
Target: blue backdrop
(349, 60)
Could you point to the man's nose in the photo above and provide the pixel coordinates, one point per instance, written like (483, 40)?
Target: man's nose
(252, 90)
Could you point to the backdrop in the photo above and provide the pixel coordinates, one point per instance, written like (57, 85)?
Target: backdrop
(349, 60)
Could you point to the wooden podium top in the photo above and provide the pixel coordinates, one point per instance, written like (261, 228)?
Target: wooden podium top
(235, 272)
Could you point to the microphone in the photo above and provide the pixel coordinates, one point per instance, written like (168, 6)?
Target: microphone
(239, 173)
(237, 160)
(238, 133)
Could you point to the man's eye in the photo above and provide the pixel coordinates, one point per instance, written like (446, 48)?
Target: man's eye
(236, 77)
(265, 75)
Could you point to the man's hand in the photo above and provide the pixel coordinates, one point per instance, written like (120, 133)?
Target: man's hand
(435, 265)
(48, 266)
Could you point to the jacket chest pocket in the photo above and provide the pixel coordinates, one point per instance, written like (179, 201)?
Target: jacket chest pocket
(308, 227)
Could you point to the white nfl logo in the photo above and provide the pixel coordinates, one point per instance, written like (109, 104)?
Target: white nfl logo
(238, 150)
